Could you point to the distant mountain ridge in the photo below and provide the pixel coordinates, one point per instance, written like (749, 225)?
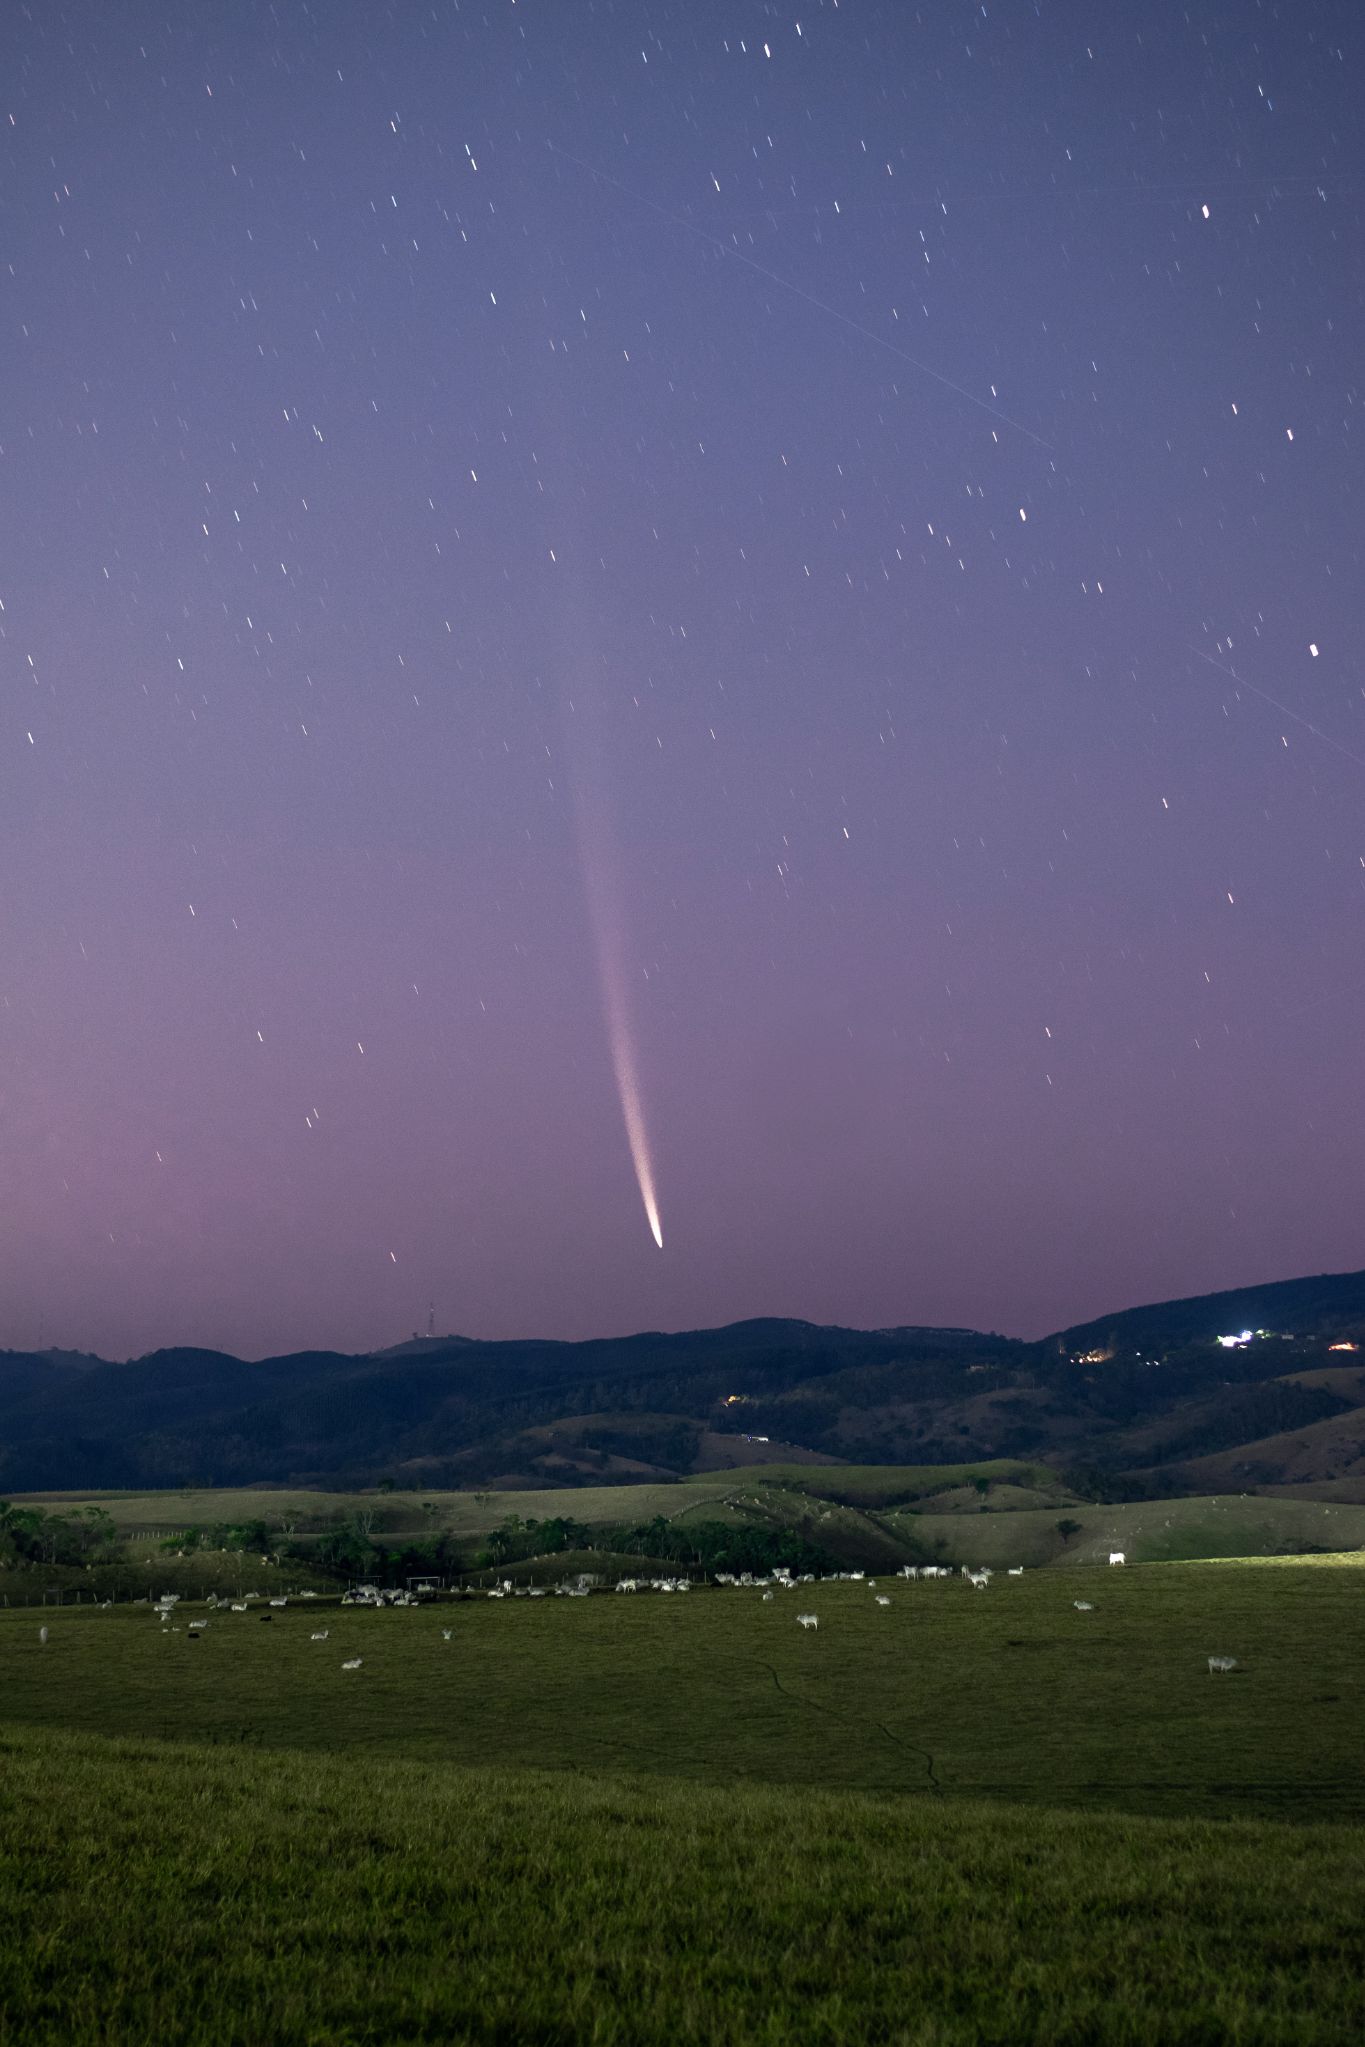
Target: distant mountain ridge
(1138, 1395)
(1283, 1304)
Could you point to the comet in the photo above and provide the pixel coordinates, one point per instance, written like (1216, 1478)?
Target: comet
(622, 1044)
(606, 914)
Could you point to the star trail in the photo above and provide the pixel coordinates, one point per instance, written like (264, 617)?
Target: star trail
(922, 444)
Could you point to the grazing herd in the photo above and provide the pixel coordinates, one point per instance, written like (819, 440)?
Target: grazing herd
(780, 1580)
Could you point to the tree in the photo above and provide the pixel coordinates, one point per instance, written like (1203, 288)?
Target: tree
(1067, 1528)
(344, 1549)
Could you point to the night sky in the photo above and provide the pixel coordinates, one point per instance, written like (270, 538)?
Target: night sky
(761, 604)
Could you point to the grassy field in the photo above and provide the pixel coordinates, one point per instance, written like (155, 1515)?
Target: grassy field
(182, 1895)
(901, 1501)
(877, 1485)
(1147, 1531)
(857, 1484)
(647, 1818)
(395, 1513)
(1009, 1694)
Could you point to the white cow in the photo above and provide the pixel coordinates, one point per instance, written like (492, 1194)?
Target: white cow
(1222, 1664)
(1116, 1556)
(1082, 1606)
(882, 1599)
(354, 1663)
(42, 1637)
(1016, 1571)
(320, 1634)
(808, 1620)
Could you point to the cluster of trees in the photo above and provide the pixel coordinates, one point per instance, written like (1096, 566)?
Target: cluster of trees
(253, 1536)
(1247, 1414)
(719, 1546)
(344, 1546)
(707, 1545)
(351, 1553)
(513, 1540)
(87, 1535)
(1096, 1482)
(30, 1535)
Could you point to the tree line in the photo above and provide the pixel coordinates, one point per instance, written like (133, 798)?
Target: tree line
(30, 1535)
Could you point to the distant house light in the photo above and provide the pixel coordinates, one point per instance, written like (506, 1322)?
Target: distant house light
(1343, 1346)
(1236, 1342)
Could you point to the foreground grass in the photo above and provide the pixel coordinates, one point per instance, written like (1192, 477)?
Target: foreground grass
(177, 1894)
(1008, 1694)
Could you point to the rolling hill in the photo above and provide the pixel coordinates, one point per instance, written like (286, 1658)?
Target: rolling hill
(1133, 1404)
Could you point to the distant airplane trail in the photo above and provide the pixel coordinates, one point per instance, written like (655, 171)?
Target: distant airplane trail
(821, 305)
(1274, 702)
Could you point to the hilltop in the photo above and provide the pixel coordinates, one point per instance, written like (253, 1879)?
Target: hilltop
(1147, 1400)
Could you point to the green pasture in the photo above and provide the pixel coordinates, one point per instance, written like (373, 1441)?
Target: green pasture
(669, 1819)
(392, 1513)
(1146, 1531)
(876, 1485)
(886, 1513)
(1010, 1693)
(411, 1513)
(201, 1897)
(870, 1517)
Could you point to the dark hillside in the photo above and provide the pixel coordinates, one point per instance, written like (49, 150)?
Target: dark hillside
(1136, 1392)
(1334, 1300)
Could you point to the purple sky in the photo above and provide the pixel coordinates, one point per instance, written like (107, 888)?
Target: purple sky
(825, 539)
